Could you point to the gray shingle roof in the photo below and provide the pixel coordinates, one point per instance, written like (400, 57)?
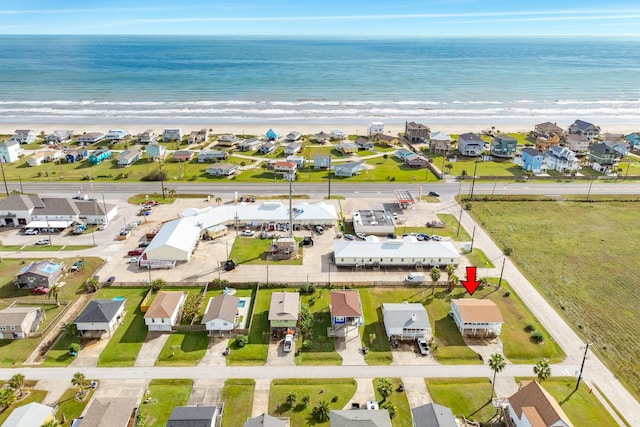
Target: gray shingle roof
(400, 315)
(360, 418)
(100, 310)
(264, 420)
(223, 307)
(192, 416)
(433, 415)
(57, 206)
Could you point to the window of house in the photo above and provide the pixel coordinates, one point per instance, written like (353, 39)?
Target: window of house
(3, 328)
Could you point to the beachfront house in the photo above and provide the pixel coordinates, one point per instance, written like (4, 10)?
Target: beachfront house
(100, 316)
(532, 405)
(440, 143)
(633, 139)
(39, 273)
(155, 152)
(348, 168)
(164, 312)
(416, 132)
(300, 161)
(532, 160)
(183, 155)
(364, 143)
(621, 146)
(249, 144)
(561, 159)
(477, 317)
(375, 128)
(206, 156)
(90, 138)
(321, 161)
(223, 169)
(284, 310)
(388, 140)
(20, 321)
(339, 134)
(267, 147)
(293, 136)
(227, 140)
(547, 130)
(116, 135)
(470, 144)
(24, 136)
(172, 134)
(578, 144)
(603, 158)
(286, 169)
(10, 151)
(586, 129)
(346, 312)
(504, 146)
(347, 147)
(273, 134)
(147, 137)
(406, 321)
(221, 314)
(292, 148)
(44, 156)
(322, 137)
(100, 156)
(129, 157)
(198, 136)
(76, 155)
(59, 137)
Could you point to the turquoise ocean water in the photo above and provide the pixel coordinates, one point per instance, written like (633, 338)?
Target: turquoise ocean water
(67, 79)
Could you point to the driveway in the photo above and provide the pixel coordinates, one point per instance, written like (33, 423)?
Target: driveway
(151, 348)
(206, 391)
(349, 348)
(416, 390)
(213, 356)
(407, 354)
(486, 347)
(89, 353)
(261, 397)
(277, 356)
(364, 392)
(131, 389)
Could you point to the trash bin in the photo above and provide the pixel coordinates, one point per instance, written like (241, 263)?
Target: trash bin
(365, 350)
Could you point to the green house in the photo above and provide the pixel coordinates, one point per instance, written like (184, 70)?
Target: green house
(504, 146)
(284, 310)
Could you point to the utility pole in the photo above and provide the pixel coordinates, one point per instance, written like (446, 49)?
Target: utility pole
(459, 219)
(329, 192)
(589, 191)
(473, 236)
(473, 183)
(3, 177)
(502, 271)
(161, 177)
(584, 358)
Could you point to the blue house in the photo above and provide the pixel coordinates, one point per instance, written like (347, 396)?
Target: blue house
(533, 160)
(99, 156)
(273, 135)
(504, 146)
(76, 155)
(267, 147)
(634, 139)
(155, 152)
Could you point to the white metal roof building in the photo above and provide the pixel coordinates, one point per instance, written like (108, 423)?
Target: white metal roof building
(407, 251)
(176, 241)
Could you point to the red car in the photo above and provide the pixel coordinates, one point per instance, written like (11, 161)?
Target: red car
(135, 252)
(41, 290)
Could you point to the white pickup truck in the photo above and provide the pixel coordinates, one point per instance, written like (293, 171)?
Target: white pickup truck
(415, 278)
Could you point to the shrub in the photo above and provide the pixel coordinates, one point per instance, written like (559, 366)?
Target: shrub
(507, 251)
(157, 175)
(242, 340)
(307, 288)
(334, 399)
(530, 328)
(507, 294)
(537, 337)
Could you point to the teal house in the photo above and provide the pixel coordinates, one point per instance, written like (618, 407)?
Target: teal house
(273, 134)
(155, 152)
(99, 156)
(504, 146)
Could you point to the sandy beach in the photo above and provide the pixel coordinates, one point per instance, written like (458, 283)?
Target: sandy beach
(304, 128)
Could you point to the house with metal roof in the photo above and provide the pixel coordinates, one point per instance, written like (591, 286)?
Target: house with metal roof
(347, 147)
(227, 140)
(346, 311)
(172, 134)
(207, 155)
(20, 321)
(90, 138)
(362, 417)
(100, 156)
(273, 134)
(321, 161)
(30, 415)
(470, 144)
(194, 416)
(406, 321)
(339, 134)
(164, 312)
(348, 168)
(477, 317)
(532, 405)
(440, 142)
(101, 316)
(24, 136)
(223, 169)
(175, 241)
(129, 157)
(155, 151)
(292, 148)
(115, 135)
(250, 144)
(221, 314)
(293, 136)
(284, 310)
(39, 273)
(10, 151)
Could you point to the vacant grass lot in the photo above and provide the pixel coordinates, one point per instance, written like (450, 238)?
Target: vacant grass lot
(125, 344)
(399, 399)
(340, 390)
(467, 396)
(163, 396)
(184, 348)
(479, 259)
(237, 396)
(582, 257)
(582, 408)
(322, 350)
(253, 250)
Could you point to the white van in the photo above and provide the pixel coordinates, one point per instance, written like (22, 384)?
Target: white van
(415, 278)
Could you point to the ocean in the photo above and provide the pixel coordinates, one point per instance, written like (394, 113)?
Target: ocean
(145, 79)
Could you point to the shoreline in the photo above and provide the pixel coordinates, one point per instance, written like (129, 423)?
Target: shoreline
(306, 128)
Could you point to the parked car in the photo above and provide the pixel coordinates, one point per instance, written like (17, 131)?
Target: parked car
(434, 193)
(40, 290)
(143, 244)
(135, 252)
(288, 343)
(436, 238)
(349, 236)
(133, 260)
(247, 233)
(151, 203)
(423, 345)
(111, 279)
(31, 231)
(103, 226)
(77, 266)
(42, 242)
(319, 229)
(361, 236)
(229, 265)
(307, 241)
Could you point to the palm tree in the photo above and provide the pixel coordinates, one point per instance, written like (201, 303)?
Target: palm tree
(51, 423)
(70, 328)
(172, 193)
(450, 269)
(321, 411)
(291, 399)
(93, 284)
(158, 284)
(305, 400)
(385, 388)
(54, 292)
(16, 382)
(435, 276)
(218, 200)
(497, 364)
(542, 369)
(78, 380)
(391, 408)
(452, 282)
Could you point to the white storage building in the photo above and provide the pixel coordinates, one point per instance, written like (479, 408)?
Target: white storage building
(175, 241)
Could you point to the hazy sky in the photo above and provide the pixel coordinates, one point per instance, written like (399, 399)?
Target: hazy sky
(358, 18)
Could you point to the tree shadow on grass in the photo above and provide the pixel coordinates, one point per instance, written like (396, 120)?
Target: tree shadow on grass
(568, 398)
(479, 409)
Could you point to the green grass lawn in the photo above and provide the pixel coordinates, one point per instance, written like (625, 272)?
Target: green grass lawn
(322, 351)
(582, 408)
(466, 396)
(33, 396)
(125, 344)
(484, 169)
(253, 250)
(71, 407)
(237, 396)
(479, 259)
(59, 354)
(582, 258)
(184, 348)
(255, 352)
(317, 389)
(399, 399)
(450, 230)
(163, 396)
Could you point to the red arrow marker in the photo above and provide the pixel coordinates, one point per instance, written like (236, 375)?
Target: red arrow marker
(471, 284)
